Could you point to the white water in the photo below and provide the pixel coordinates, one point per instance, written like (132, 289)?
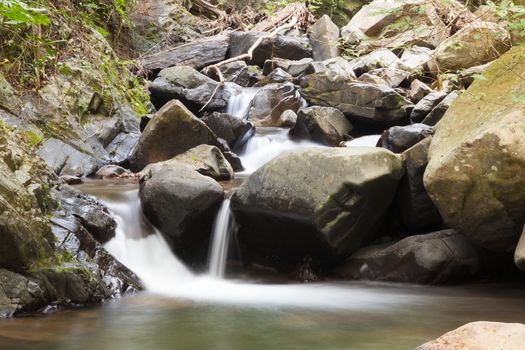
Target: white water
(222, 230)
(267, 144)
(239, 105)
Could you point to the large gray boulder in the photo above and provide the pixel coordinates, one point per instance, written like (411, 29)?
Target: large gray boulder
(439, 257)
(233, 130)
(194, 89)
(181, 203)
(324, 39)
(281, 46)
(475, 175)
(322, 203)
(326, 125)
(172, 131)
(336, 66)
(400, 138)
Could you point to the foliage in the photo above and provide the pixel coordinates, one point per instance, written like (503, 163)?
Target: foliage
(512, 14)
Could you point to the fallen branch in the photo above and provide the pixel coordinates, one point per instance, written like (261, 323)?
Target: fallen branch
(248, 55)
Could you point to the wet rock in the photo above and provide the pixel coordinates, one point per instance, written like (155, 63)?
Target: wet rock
(238, 72)
(437, 112)
(196, 54)
(287, 119)
(371, 104)
(122, 146)
(19, 294)
(416, 210)
(439, 257)
(112, 171)
(278, 76)
(400, 138)
(157, 142)
(181, 203)
(469, 47)
(326, 125)
(426, 105)
(204, 159)
(306, 203)
(271, 101)
(519, 253)
(480, 336)
(336, 66)
(418, 90)
(194, 89)
(281, 46)
(235, 131)
(294, 68)
(230, 156)
(475, 174)
(324, 37)
(72, 180)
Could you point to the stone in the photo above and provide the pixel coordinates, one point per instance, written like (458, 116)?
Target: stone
(71, 180)
(519, 253)
(372, 79)
(19, 294)
(235, 131)
(475, 175)
(391, 76)
(324, 39)
(380, 58)
(480, 336)
(281, 46)
(112, 171)
(426, 105)
(326, 125)
(374, 105)
(400, 138)
(271, 101)
(196, 54)
(322, 202)
(158, 143)
(335, 66)
(238, 72)
(192, 88)
(418, 90)
(294, 68)
(416, 57)
(439, 257)
(287, 119)
(437, 112)
(278, 76)
(416, 210)
(9, 99)
(182, 203)
(204, 159)
(475, 44)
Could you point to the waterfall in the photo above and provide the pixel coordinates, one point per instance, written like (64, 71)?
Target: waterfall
(239, 105)
(222, 229)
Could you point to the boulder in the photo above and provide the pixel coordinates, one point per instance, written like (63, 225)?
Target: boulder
(158, 143)
(196, 54)
(391, 76)
(18, 293)
(237, 72)
(416, 57)
(416, 210)
(322, 202)
(440, 257)
(480, 336)
(294, 68)
(194, 89)
(204, 159)
(182, 203)
(281, 46)
(235, 131)
(519, 253)
(380, 58)
(418, 90)
(371, 104)
(287, 119)
(475, 175)
(112, 171)
(475, 44)
(324, 39)
(336, 66)
(326, 125)
(276, 76)
(426, 105)
(271, 101)
(437, 112)
(400, 138)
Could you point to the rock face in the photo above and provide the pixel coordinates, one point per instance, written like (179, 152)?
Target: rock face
(158, 143)
(417, 211)
(400, 138)
(194, 89)
(322, 203)
(439, 257)
(233, 130)
(371, 104)
(181, 203)
(324, 36)
(64, 159)
(281, 46)
(480, 336)
(197, 54)
(327, 125)
(475, 44)
(475, 175)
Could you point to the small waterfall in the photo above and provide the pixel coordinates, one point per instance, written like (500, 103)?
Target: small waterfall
(222, 229)
(239, 105)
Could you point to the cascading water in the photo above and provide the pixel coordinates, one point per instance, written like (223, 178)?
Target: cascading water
(239, 105)
(222, 229)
